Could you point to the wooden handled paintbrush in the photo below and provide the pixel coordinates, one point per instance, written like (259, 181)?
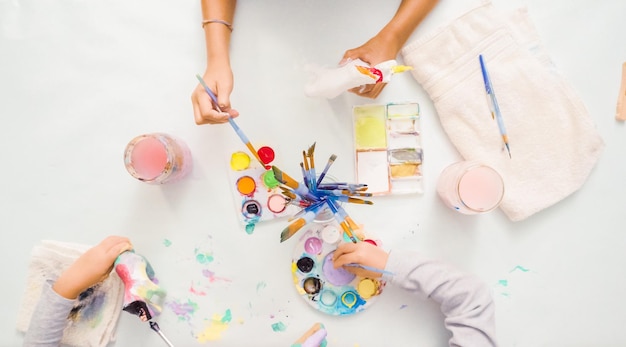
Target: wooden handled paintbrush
(307, 217)
(298, 188)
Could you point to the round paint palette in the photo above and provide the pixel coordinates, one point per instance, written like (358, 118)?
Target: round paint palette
(332, 291)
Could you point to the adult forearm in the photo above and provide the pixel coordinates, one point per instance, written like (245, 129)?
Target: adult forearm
(409, 15)
(217, 34)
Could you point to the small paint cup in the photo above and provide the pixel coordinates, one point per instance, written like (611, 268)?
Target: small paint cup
(470, 187)
(157, 158)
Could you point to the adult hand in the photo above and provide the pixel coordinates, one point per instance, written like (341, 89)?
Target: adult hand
(220, 81)
(91, 267)
(373, 52)
(362, 253)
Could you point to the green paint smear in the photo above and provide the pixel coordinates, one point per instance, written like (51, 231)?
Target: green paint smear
(503, 283)
(260, 286)
(250, 228)
(521, 268)
(227, 316)
(280, 326)
(270, 180)
(203, 258)
(167, 242)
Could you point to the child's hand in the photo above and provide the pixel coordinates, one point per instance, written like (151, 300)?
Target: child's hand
(92, 267)
(362, 253)
(221, 83)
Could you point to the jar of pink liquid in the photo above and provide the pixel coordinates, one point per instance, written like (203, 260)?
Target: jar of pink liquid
(157, 158)
(470, 187)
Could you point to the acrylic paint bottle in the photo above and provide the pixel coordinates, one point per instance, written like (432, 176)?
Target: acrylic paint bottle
(470, 187)
(157, 158)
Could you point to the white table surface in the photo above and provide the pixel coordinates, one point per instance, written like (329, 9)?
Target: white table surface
(79, 79)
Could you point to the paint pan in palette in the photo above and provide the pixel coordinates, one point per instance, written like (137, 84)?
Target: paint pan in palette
(256, 192)
(332, 291)
(388, 151)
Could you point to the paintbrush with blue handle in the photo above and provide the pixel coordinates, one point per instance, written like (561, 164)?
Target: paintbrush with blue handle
(369, 268)
(232, 123)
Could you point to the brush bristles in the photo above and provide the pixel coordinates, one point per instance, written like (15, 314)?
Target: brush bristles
(306, 162)
(286, 179)
(290, 230)
(310, 154)
(278, 174)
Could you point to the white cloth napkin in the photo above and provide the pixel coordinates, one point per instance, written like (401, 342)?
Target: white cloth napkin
(331, 82)
(554, 143)
(48, 260)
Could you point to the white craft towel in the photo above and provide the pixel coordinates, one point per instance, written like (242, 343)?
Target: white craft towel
(331, 82)
(554, 143)
(48, 260)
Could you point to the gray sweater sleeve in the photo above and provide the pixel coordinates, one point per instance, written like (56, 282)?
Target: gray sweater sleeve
(465, 300)
(49, 319)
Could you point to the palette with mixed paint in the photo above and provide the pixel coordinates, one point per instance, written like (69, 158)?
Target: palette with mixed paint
(388, 150)
(329, 290)
(255, 191)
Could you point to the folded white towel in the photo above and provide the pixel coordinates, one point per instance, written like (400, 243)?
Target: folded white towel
(94, 323)
(554, 143)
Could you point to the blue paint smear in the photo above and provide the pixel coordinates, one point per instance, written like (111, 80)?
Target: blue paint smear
(339, 308)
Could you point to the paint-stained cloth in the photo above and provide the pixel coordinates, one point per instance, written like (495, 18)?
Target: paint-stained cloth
(554, 143)
(51, 320)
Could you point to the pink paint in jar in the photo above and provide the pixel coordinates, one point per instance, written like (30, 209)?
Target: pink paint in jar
(157, 158)
(470, 187)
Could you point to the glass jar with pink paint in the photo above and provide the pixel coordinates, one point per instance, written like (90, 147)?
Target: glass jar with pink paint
(157, 158)
(471, 187)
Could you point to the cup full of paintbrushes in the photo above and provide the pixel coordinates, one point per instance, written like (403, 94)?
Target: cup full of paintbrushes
(320, 197)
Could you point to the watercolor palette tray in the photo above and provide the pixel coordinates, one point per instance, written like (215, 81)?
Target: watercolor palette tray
(332, 291)
(255, 192)
(388, 150)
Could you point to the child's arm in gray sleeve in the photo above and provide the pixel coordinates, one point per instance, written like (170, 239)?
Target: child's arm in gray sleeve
(465, 300)
(48, 320)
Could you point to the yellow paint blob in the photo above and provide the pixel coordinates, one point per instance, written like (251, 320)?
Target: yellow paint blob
(370, 133)
(401, 68)
(404, 170)
(239, 161)
(296, 280)
(246, 185)
(367, 288)
(214, 330)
